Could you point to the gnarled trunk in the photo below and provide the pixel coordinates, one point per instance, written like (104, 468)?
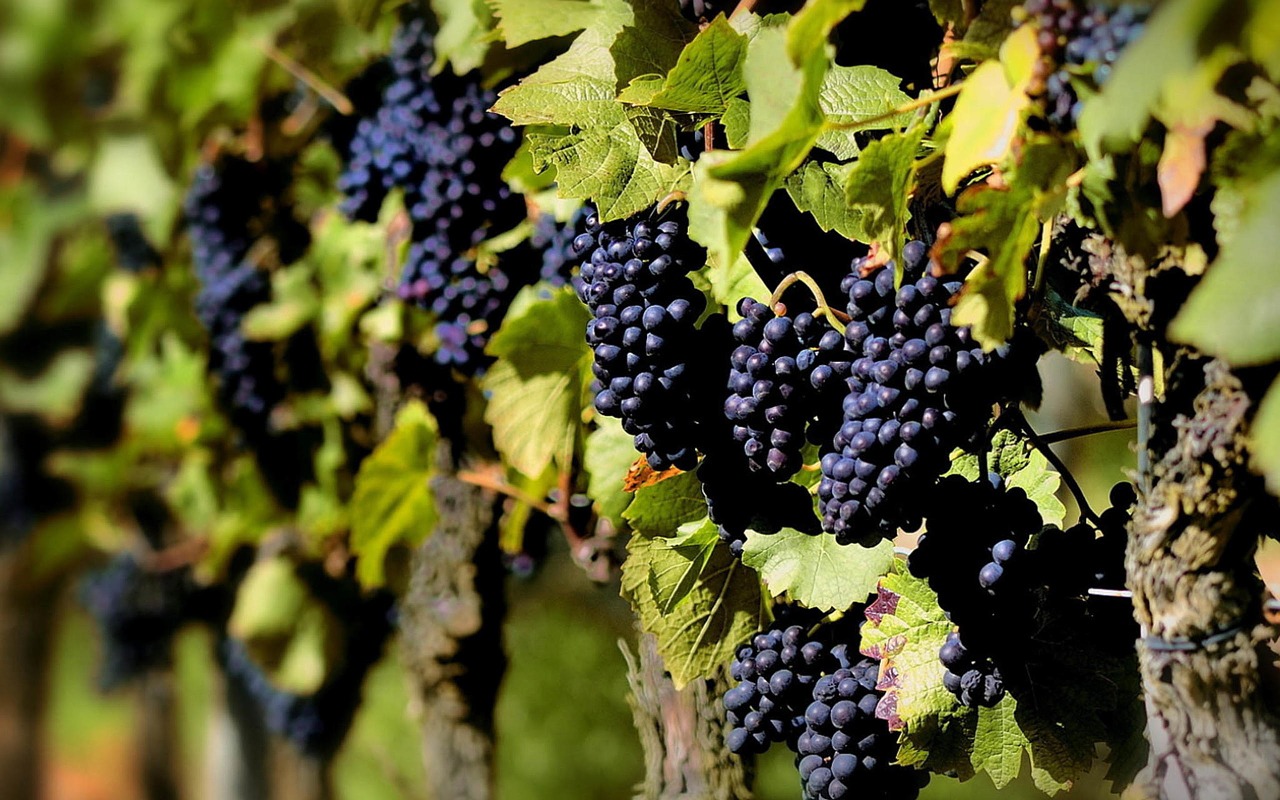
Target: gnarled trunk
(1199, 600)
(452, 641)
(683, 733)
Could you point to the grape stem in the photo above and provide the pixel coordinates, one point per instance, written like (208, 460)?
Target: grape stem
(317, 84)
(743, 7)
(835, 317)
(1073, 486)
(495, 484)
(582, 546)
(918, 103)
(1046, 237)
(1087, 430)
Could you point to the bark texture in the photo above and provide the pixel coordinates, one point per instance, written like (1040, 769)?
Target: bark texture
(452, 641)
(26, 628)
(683, 733)
(1199, 600)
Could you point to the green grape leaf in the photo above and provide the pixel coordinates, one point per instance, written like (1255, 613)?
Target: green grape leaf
(651, 42)
(850, 94)
(56, 393)
(708, 74)
(659, 510)
(880, 186)
(576, 88)
(986, 32)
(1242, 285)
(699, 635)
(294, 303)
(813, 569)
(608, 454)
(1023, 467)
(608, 164)
(739, 280)
(1265, 438)
(1003, 222)
(1077, 333)
(284, 627)
(818, 187)
(392, 501)
(730, 189)
(268, 601)
(737, 123)
(987, 114)
(524, 21)
(905, 628)
(129, 175)
(463, 36)
(537, 386)
(694, 542)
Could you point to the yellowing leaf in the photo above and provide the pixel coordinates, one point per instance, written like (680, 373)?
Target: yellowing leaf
(988, 111)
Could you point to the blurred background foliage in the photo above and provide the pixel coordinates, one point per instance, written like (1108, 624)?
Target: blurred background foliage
(108, 106)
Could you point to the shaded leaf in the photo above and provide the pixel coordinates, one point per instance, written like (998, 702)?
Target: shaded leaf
(536, 387)
(392, 501)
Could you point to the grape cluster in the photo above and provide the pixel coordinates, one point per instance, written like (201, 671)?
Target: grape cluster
(845, 750)
(635, 281)
(1007, 581)
(920, 387)
(134, 252)
(986, 578)
(725, 474)
(973, 680)
(231, 205)
(433, 138)
(317, 723)
(138, 611)
(776, 672)
(1080, 41)
(821, 702)
(782, 370)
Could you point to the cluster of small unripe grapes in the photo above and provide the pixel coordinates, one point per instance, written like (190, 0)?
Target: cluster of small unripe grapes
(1079, 41)
(635, 282)
(821, 702)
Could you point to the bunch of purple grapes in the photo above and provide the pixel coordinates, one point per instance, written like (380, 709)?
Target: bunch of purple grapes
(317, 723)
(1083, 41)
(784, 371)
(920, 387)
(820, 700)
(232, 204)
(635, 282)
(138, 612)
(433, 138)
